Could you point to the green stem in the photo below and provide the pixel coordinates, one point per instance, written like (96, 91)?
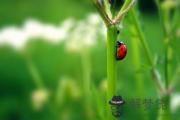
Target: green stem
(36, 77)
(164, 18)
(86, 68)
(113, 8)
(142, 38)
(158, 4)
(166, 67)
(137, 64)
(175, 79)
(138, 76)
(125, 5)
(86, 71)
(166, 112)
(33, 71)
(140, 34)
(111, 66)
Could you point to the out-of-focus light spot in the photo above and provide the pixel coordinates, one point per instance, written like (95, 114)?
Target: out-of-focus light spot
(103, 85)
(39, 98)
(178, 33)
(175, 102)
(67, 87)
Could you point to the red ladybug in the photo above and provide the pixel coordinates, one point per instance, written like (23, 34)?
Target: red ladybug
(121, 50)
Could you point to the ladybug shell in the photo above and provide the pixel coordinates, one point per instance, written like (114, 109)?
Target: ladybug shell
(121, 51)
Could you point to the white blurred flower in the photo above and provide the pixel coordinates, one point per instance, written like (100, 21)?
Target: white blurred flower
(33, 28)
(59, 33)
(18, 37)
(13, 36)
(85, 33)
(67, 25)
(175, 102)
(39, 98)
(49, 32)
(76, 40)
(94, 19)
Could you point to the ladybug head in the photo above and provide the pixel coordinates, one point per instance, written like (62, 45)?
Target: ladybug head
(119, 43)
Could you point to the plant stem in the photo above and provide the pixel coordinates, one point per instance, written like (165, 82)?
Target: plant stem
(99, 105)
(86, 71)
(35, 74)
(140, 34)
(165, 114)
(86, 68)
(111, 65)
(160, 15)
(33, 71)
(164, 19)
(138, 76)
(137, 63)
(112, 29)
(141, 37)
(166, 71)
(175, 80)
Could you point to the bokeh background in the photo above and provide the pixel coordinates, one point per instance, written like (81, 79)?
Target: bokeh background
(51, 51)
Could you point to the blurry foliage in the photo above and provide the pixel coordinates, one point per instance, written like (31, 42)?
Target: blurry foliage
(16, 11)
(54, 62)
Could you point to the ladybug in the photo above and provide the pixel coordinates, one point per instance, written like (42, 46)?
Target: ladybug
(121, 50)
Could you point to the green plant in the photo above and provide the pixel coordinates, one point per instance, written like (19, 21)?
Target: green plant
(163, 86)
(164, 8)
(112, 18)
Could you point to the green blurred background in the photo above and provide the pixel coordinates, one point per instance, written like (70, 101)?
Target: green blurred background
(44, 81)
